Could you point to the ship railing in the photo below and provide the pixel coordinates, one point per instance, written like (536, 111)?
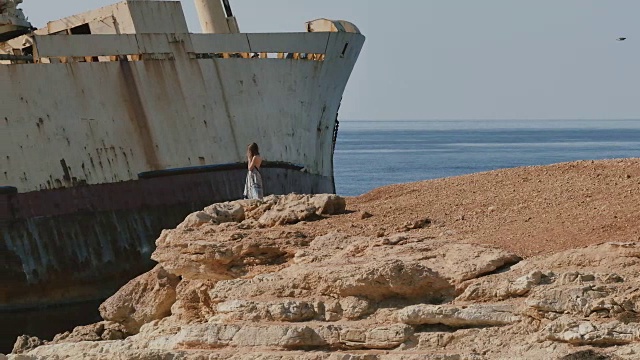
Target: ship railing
(263, 55)
(139, 47)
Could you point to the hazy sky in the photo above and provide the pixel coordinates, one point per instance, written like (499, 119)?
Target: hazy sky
(462, 59)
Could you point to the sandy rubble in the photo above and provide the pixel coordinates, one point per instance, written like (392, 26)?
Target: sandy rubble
(529, 211)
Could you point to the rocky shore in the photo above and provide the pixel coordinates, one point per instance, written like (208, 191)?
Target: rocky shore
(527, 263)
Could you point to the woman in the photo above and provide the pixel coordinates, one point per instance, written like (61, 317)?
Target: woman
(253, 185)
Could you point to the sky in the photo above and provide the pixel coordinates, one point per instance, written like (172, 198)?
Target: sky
(461, 59)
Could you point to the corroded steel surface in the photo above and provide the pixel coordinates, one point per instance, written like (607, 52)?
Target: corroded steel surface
(83, 243)
(108, 121)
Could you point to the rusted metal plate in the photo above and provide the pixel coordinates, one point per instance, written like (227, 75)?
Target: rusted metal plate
(160, 114)
(6, 207)
(157, 190)
(8, 190)
(111, 120)
(67, 241)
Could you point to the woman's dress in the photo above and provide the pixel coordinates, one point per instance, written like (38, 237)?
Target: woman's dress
(253, 185)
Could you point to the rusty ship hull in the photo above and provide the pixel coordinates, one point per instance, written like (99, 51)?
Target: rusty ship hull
(115, 124)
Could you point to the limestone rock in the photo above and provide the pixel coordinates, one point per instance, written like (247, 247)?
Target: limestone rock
(195, 219)
(329, 204)
(217, 243)
(385, 337)
(354, 307)
(193, 303)
(273, 210)
(292, 311)
(145, 298)
(479, 261)
(454, 262)
(102, 331)
(373, 280)
(86, 350)
(456, 316)
(457, 262)
(579, 300)
(291, 209)
(226, 212)
(221, 258)
(487, 290)
(282, 311)
(215, 336)
(416, 224)
(577, 332)
(394, 239)
(26, 343)
(589, 354)
(290, 288)
(215, 214)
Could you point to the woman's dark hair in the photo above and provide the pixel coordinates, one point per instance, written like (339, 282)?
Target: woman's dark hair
(253, 150)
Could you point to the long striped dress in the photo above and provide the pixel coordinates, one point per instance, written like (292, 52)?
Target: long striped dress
(253, 185)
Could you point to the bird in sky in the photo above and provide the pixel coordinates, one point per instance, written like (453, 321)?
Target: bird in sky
(622, 39)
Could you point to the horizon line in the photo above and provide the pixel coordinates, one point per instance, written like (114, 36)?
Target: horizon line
(501, 119)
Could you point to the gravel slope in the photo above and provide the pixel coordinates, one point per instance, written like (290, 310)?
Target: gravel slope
(529, 211)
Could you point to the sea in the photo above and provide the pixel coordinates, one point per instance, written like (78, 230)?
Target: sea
(370, 154)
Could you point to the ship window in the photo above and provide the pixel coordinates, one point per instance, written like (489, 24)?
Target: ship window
(83, 29)
(344, 50)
